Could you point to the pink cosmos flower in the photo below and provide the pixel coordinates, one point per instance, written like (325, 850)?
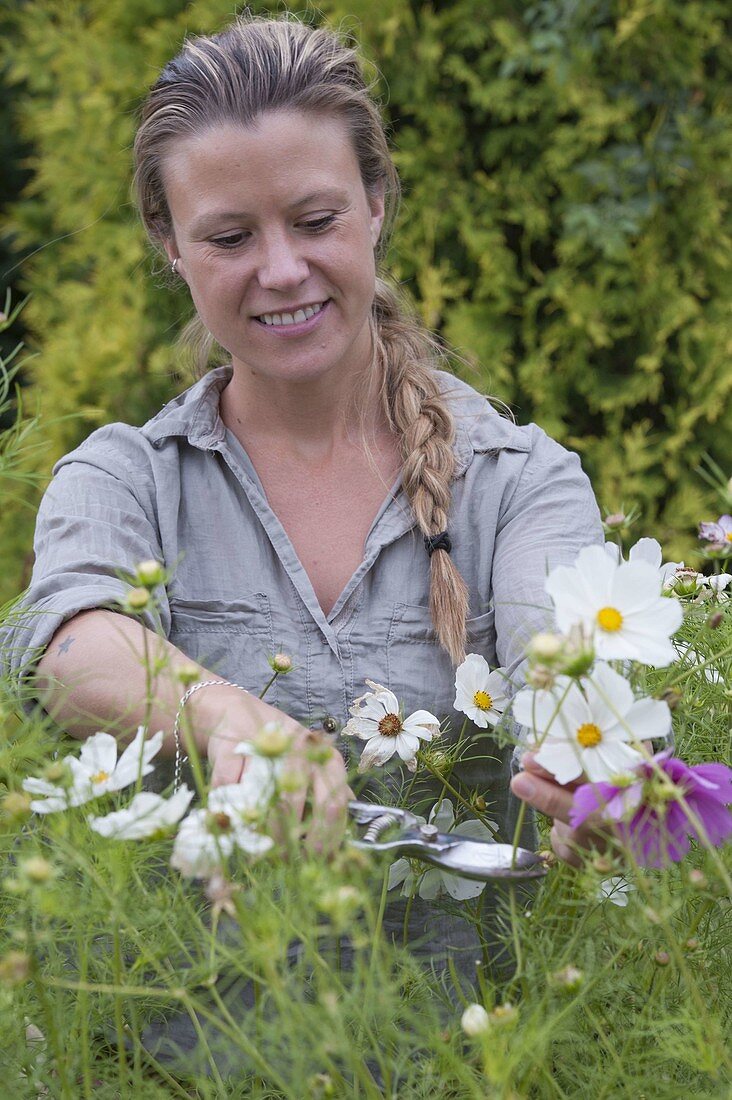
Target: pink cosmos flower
(648, 813)
(719, 532)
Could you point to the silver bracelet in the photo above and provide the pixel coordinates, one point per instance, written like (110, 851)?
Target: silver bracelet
(180, 759)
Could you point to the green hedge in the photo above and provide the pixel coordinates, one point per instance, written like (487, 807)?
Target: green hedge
(566, 225)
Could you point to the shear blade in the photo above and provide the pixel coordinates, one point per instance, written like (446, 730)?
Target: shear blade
(484, 861)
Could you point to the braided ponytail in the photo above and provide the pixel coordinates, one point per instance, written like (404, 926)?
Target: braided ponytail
(418, 412)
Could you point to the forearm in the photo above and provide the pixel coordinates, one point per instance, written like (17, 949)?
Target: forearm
(103, 670)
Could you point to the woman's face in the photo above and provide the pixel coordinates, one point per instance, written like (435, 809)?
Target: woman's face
(276, 234)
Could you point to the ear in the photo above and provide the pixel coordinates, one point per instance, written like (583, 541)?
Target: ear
(171, 251)
(376, 208)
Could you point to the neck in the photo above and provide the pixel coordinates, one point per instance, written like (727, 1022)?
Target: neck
(308, 418)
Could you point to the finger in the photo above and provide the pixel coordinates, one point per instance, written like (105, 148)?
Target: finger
(545, 795)
(564, 845)
(227, 766)
(331, 795)
(529, 763)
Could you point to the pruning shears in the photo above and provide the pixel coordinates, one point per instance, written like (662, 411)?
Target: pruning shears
(461, 855)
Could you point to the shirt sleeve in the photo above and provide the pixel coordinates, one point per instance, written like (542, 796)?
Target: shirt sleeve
(547, 517)
(96, 522)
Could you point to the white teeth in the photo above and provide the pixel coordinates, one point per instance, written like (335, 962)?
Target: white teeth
(295, 318)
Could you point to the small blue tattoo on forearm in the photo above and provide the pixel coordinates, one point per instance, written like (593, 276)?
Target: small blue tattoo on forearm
(66, 645)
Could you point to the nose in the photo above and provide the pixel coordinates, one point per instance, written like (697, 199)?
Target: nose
(281, 263)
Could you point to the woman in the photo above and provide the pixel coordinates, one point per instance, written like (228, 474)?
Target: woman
(330, 492)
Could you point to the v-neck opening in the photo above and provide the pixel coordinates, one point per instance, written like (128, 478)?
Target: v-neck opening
(290, 560)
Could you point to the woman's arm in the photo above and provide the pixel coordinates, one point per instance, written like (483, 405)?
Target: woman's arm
(94, 674)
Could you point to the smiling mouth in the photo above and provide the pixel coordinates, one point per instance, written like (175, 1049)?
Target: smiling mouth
(295, 318)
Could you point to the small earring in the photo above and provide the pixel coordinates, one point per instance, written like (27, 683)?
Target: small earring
(174, 265)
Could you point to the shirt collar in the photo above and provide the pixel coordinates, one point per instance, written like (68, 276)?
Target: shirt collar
(479, 428)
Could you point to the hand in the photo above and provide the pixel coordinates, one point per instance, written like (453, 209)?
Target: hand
(539, 788)
(317, 808)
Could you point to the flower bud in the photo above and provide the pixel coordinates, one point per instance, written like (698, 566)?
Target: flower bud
(504, 1014)
(671, 697)
(290, 782)
(540, 677)
(662, 958)
(697, 879)
(321, 1084)
(602, 865)
(685, 582)
(439, 760)
(272, 741)
(569, 979)
(475, 1021)
(57, 772)
(715, 620)
(150, 573)
(545, 648)
(16, 805)
(615, 521)
(281, 663)
(479, 803)
(15, 968)
(188, 673)
(138, 598)
(548, 857)
(37, 870)
(341, 904)
(579, 653)
(691, 944)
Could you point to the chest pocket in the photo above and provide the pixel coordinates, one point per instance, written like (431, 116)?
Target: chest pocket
(419, 671)
(231, 638)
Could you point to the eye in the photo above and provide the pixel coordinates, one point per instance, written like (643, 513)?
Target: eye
(230, 241)
(318, 224)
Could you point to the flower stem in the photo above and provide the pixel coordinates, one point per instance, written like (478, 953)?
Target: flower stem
(460, 798)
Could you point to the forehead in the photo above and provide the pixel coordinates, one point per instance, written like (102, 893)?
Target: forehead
(283, 157)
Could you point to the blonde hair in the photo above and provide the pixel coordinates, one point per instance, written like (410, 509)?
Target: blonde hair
(265, 64)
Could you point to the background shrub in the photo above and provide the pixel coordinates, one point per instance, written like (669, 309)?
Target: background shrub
(566, 225)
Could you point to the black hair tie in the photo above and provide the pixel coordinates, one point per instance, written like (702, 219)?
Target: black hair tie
(438, 542)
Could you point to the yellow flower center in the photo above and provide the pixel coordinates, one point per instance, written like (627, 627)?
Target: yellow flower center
(589, 735)
(610, 619)
(390, 725)
(100, 777)
(482, 700)
(728, 536)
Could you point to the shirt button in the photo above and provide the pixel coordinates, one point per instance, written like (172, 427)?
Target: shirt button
(330, 725)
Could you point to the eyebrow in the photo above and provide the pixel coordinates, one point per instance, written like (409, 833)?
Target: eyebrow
(210, 221)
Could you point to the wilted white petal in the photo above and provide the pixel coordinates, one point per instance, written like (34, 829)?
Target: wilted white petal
(145, 816)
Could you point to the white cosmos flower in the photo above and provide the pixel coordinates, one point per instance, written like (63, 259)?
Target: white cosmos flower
(648, 550)
(480, 693)
(377, 720)
(206, 838)
(718, 582)
(433, 882)
(587, 729)
(146, 815)
(96, 771)
(619, 604)
(615, 889)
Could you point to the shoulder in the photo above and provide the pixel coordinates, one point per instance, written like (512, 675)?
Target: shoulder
(130, 452)
(482, 429)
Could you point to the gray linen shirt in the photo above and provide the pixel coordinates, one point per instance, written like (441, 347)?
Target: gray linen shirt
(181, 489)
